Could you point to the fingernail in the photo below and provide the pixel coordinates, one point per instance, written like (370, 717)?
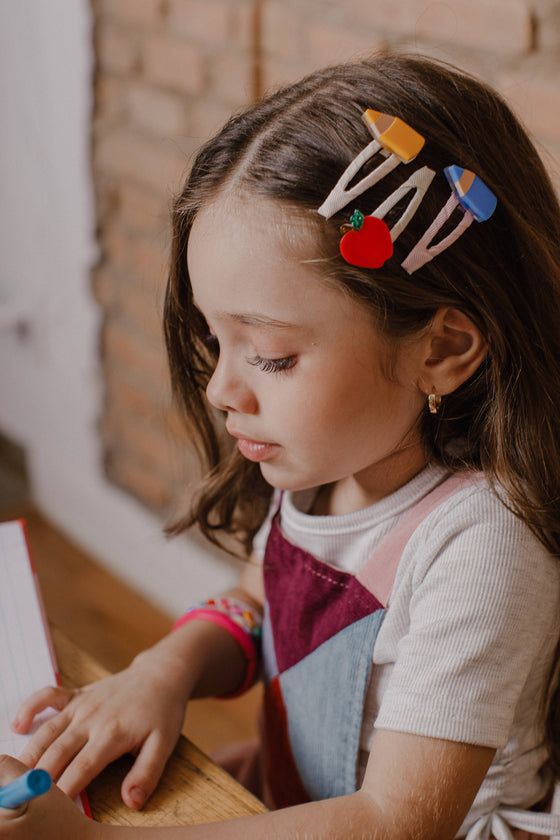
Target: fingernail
(137, 796)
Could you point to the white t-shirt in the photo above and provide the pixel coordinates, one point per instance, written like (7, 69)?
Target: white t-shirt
(470, 631)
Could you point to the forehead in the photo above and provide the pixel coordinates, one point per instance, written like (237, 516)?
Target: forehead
(262, 227)
(252, 252)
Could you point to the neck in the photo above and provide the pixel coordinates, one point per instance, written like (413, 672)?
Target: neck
(359, 491)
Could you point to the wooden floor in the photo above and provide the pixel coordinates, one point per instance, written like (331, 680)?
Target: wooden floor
(113, 623)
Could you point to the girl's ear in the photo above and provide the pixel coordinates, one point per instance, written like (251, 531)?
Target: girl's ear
(454, 348)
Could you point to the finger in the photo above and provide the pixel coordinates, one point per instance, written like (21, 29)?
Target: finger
(62, 751)
(86, 765)
(53, 697)
(48, 733)
(142, 779)
(11, 769)
(95, 754)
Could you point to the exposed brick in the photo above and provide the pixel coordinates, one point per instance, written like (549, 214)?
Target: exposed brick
(137, 307)
(547, 24)
(207, 116)
(142, 12)
(328, 44)
(504, 26)
(174, 64)
(132, 399)
(141, 436)
(177, 427)
(135, 354)
(278, 72)
(118, 50)
(108, 98)
(232, 78)
(157, 111)
(145, 308)
(103, 286)
(534, 92)
(157, 164)
(150, 261)
(106, 198)
(138, 479)
(243, 24)
(202, 21)
(282, 30)
(140, 211)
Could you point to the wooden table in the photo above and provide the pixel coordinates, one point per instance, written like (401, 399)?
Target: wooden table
(192, 789)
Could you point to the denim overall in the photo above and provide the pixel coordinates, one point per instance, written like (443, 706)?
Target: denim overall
(319, 633)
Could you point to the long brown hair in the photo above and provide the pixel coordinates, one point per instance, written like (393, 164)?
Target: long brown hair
(504, 273)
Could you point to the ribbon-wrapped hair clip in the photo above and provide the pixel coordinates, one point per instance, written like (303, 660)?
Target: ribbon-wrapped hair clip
(368, 241)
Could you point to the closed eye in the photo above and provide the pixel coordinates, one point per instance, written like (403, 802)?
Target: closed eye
(273, 365)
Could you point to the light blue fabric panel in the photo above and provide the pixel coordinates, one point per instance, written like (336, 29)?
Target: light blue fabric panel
(268, 654)
(324, 698)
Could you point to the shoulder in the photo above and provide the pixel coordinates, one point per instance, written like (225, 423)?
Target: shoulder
(473, 568)
(475, 534)
(473, 611)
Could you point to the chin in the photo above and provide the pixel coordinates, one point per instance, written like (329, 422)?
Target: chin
(290, 483)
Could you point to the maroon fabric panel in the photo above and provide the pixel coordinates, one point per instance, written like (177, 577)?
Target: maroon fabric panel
(283, 785)
(309, 601)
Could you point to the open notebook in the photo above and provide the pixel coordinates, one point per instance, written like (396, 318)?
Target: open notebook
(27, 660)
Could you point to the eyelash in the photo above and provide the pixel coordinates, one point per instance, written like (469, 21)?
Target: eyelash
(273, 365)
(266, 365)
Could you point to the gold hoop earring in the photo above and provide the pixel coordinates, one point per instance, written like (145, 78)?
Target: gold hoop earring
(434, 403)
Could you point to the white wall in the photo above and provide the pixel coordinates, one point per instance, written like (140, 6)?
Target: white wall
(50, 386)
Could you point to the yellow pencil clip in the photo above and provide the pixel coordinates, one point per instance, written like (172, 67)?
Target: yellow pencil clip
(393, 134)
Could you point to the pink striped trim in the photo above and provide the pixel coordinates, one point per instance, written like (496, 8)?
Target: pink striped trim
(378, 574)
(243, 638)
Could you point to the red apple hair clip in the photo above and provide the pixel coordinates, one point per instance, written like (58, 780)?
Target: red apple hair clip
(368, 241)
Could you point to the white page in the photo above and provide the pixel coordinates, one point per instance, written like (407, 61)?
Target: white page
(26, 658)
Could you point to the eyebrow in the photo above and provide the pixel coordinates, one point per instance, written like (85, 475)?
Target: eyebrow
(255, 320)
(251, 319)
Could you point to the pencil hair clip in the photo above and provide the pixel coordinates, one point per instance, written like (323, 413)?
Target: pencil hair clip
(469, 192)
(394, 138)
(367, 241)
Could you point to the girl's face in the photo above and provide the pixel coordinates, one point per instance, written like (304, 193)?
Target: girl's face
(300, 369)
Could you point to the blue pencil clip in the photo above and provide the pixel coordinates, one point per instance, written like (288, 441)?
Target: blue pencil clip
(471, 192)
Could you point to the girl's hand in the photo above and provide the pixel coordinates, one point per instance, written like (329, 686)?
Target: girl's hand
(140, 710)
(51, 817)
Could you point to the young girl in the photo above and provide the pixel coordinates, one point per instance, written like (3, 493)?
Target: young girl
(365, 286)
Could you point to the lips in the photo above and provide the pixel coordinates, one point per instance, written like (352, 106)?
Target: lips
(254, 450)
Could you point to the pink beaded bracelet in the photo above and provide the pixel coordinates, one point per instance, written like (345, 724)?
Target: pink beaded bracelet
(241, 622)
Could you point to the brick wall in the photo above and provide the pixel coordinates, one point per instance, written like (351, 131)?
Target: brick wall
(168, 73)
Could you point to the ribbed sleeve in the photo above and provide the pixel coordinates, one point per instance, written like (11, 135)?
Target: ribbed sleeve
(475, 604)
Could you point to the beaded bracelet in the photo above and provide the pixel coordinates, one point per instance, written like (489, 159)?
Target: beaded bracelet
(241, 621)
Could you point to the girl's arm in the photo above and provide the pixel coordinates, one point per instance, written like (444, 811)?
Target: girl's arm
(139, 710)
(415, 788)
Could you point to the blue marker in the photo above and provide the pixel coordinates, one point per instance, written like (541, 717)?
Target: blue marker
(26, 787)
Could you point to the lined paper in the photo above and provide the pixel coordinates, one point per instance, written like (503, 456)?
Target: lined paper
(26, 662)
(26, 656)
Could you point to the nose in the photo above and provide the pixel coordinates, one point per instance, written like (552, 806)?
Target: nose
(227, 390)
